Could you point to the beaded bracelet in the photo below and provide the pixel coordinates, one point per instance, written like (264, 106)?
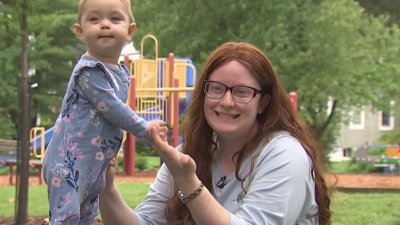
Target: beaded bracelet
(187, 198)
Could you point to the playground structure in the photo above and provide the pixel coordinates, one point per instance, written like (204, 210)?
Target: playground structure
(8, 152)
(160, 89)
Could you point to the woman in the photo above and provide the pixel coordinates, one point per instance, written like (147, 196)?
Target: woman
(246, 156)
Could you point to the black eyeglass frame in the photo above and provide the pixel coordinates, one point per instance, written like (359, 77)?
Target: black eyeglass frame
(256, 91)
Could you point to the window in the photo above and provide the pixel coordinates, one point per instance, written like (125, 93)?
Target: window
(385, 121)
(347, 152)
(357, 120)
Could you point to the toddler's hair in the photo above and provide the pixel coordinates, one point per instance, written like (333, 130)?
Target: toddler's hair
(127, 4)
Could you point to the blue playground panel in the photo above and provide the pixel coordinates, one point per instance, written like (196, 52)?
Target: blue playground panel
(189, 73)
(47, 137)
(189, 76)
(7, 159)
(150, 117)
(189, 80)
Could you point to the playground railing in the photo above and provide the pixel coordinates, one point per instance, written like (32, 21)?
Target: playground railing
(8, 153)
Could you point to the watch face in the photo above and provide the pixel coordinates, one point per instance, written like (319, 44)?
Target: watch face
(182, 197)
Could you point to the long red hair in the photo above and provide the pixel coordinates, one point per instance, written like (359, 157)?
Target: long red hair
(278, 115)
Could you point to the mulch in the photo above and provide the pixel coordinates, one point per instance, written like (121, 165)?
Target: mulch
(340, 181)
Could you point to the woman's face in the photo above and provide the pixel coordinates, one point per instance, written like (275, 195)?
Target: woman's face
(228, 118)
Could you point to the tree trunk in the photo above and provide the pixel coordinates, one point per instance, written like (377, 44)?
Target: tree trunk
(21, 192)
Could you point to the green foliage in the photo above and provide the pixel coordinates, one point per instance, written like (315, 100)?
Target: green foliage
(382, 7)
(326, 51)
(390, 137)
(144, 148)
(52, 51)
(8, 128)
(350, 167)
(376, 151)
(323, 50)
(141, 163)
(389, 160)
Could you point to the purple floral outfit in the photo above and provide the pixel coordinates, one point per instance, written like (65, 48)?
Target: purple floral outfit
(87, 135)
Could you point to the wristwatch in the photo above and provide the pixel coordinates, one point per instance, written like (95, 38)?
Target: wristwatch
(187, 198)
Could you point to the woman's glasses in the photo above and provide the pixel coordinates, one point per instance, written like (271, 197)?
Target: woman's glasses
(240, 94)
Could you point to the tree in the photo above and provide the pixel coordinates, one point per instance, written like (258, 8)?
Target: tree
(30, 40)
(23, 116)
(9, 54)
(383, 8)
(53, 49)
(327, 51)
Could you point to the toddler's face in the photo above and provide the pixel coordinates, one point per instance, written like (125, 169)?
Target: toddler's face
(105, 27)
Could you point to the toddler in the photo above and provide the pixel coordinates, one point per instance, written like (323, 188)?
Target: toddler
(88, 131)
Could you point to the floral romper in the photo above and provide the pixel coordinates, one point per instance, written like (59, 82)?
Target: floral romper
(87, 135)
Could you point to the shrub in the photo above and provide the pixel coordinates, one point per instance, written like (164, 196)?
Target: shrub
(376, 151)
(141, 163)
(143, 148)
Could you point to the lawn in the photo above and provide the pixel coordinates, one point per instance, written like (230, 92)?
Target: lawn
(37, 203)
(150, 162)
(350, 208)
(372, 208)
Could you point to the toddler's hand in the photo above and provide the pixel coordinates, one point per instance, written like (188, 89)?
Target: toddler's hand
(181, 166)
(161, 130)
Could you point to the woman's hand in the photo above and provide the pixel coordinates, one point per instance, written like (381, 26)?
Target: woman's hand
(110, 173)
(113, 209)
(159, 125)
(181, 166)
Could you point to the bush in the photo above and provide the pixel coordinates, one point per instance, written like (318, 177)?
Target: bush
(376, 151)
(141, 163)
(390, 137)
(351, 167)
(145, 149)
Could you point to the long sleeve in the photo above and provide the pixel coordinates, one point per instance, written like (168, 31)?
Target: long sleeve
(279, 191)
(102, 91)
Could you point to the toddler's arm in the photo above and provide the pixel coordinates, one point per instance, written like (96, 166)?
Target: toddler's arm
(97, 89)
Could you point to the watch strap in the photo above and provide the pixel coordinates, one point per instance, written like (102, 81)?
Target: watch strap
(187, 198)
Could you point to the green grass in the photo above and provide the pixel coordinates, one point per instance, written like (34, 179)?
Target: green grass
(3, 170)
(153, 161)
(373, 208)
(349, 208)
(350, 167)
(132, 192)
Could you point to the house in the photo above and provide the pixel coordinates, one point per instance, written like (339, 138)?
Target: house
(363, 128)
